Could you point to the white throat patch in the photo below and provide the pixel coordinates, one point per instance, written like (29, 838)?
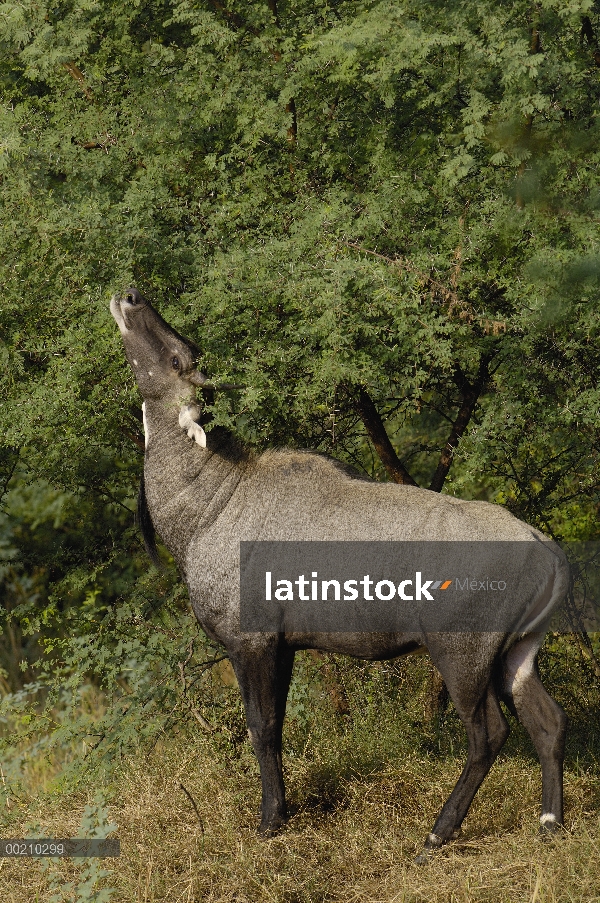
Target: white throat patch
(145, 422)
(189, 415)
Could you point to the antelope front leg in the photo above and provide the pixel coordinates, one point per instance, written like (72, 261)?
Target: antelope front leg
(264, 680)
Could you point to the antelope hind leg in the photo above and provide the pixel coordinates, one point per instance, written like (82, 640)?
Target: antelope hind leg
(487, 730)
(544, 721)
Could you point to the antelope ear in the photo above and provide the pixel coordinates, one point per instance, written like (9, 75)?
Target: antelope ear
(197, 379)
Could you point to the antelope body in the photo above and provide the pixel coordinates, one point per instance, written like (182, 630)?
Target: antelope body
(205, 494)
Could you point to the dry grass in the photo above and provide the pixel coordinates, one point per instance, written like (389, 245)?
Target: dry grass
(357, 847)
(363, 795)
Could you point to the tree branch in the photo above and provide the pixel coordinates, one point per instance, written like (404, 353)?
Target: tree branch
(535, 44)
(292, 132)
(11, 470)
(374, 426)
(137, 440)
(403, 263)
(587, 32)
(470, 395)
(76, 73)
(235, 20)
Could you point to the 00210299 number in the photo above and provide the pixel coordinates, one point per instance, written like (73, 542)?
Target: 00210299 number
(31, 848)
(88, 847)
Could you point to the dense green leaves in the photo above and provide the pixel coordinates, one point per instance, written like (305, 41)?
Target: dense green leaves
(242, 163)
(329, 198)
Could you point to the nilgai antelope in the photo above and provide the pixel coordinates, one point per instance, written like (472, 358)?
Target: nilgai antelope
(205, 494)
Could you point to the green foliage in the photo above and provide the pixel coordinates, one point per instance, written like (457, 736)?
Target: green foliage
(328, 198)
(95, 823)
(242, 167)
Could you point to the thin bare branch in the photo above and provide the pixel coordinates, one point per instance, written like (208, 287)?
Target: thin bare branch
(195, 807)
(402, 263)
(76, 73)
(470, 395)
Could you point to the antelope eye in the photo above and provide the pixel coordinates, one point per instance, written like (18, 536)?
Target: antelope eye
(175, 363)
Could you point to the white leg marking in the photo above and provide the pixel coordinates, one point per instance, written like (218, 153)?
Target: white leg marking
(520, 662)
(547, 819)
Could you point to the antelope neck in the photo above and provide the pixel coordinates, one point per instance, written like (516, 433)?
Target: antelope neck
(187, 487)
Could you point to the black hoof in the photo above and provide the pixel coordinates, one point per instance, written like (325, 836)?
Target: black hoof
(432, 844)
(272, 826)
(550, 829)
